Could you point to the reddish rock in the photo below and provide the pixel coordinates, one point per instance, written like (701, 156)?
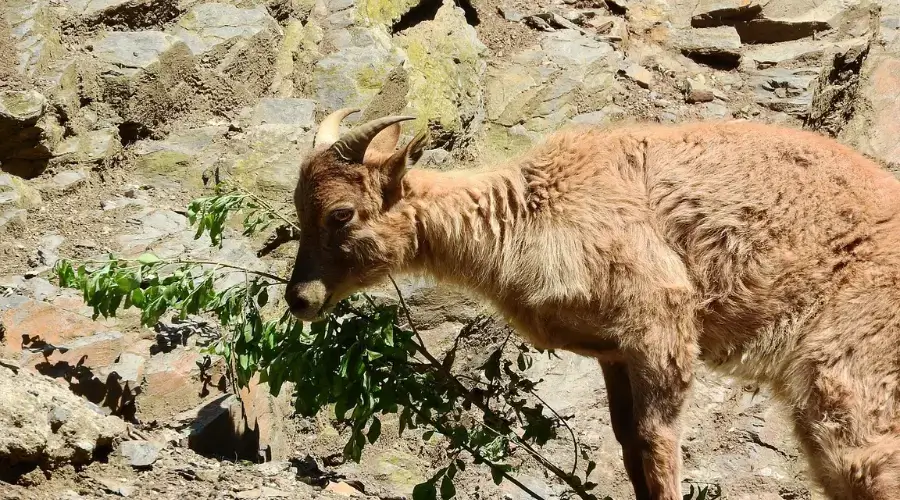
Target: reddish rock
(875, 126)
(24, 318)
(174, 382)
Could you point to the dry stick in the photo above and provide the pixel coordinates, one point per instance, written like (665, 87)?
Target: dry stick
(567, 478)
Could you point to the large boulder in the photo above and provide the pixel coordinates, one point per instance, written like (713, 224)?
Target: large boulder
(45, 425)
(28, 131)
(445, 71)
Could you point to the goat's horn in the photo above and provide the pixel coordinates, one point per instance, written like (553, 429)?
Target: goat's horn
(328, 132)
(352, 146)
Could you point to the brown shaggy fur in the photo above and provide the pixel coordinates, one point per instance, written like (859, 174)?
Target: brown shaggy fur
(770, 253)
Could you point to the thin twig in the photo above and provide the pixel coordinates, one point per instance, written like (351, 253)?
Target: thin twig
(245, 270)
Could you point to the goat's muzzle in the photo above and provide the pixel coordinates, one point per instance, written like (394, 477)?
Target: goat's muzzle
(306, 301)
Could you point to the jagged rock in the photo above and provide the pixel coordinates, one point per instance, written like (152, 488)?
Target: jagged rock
(799, 51)
(721, 44)
(638, 74)
(354, 73)
(696, 90)
(91, 147)
(139, 454)
(35, 34)
(16, 193)
(537, 87)
(130, 51)
(445, 72)
(279, 111)
(209, 25)
(786, 90)
(28, 133)
(49, 426)
(177, 381)
(786, 20)
(510, 13)
(875, 127)
(65, 182)
(384, 12)
(131, 14)
(711, 13)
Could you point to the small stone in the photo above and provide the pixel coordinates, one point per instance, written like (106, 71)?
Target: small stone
(59, 415)
(273, 468)
(721, 43)
(267, 492)
(117, 487)
(254, 493)
(696, 90)
(639, 74)
(342, 488)
(139, 453)
(510, 13)
(66, 181)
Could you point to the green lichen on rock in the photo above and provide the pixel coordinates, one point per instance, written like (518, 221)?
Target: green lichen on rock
(384, 12)
(445, 70)
(16, 193)
(163, 162)
(499, 144)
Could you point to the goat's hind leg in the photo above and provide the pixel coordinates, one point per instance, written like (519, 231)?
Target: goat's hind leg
(621, 415)
(870, 472)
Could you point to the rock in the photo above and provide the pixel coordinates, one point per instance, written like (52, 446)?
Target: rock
(139, 454)
(128, 367)
(383, 12)
(343, 489)
(28, 133)
(35, 32)
(711, 13)
(174, 382)
(153, 225)
(875, 127)
(91, 147)
(784, 20)
(510, 13)
(284, 111)
(209, 25)
(785, 90)
(608, 114)
(52, 426)
(762, 56)
(638, 74)
(17, 193)
(355, 72)
(95, 351)
(13, 220)
(117, 487)
(130, 51)
(21, 108)
(28, 321)
(536, 88)
(65, 182)
(445, 73)
(130, 14)
(696, 90)
(720, 45)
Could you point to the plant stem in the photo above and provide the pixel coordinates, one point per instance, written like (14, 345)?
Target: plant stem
(567, 478)
(245, 270)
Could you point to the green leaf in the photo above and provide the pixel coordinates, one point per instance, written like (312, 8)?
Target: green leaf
(374, 430)
(448, 490)
(148, 258)
(425, 491)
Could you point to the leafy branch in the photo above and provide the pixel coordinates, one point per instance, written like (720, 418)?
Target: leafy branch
(361, 362)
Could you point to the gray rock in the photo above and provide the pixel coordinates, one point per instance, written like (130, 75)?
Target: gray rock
(21, 108)
(353, 74)
(710, 13)
(785, 90)
(52, 425)
(570, 46)
(608, 114)
(153, 225)
(510, 13)
(284, 111)
(638, 74)
(696, 90)
(785, 20)
(90, 147)
(117, 486)
(35, 33)
(130, 13)
(65, 182)
(761, 56)
(17, 193)
(209, 25)
(720, 43)
(139, 453)
(13, 218)
(130, 51)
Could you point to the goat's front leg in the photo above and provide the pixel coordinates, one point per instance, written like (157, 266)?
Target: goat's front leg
(660, 374)
(621, 416)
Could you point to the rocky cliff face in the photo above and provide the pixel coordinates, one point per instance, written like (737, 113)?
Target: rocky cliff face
(114, 112)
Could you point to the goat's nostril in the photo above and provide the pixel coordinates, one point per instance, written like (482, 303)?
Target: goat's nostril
(299, 303)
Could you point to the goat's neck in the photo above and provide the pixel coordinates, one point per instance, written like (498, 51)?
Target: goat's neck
(465, 222)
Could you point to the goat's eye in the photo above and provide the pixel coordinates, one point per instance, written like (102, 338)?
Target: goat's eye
(341, 216)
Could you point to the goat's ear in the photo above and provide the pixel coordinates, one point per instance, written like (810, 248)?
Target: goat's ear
(395, 167)
(382, 146)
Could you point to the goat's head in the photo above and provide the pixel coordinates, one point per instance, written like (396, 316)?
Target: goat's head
(347, 186)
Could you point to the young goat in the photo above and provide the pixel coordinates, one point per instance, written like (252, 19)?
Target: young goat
(770, 253)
